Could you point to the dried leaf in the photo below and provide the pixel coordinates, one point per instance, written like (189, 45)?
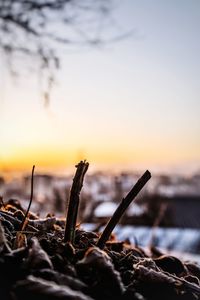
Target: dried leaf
(97, 269)
(170, 264)
(3, 241)
(43, 224)
(38, 258)
(194, 269)
(146, 262)
(62, 279)
(36, 288)
(149, 275)
(20, 240)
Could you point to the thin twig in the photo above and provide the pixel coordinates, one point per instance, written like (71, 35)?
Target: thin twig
(23, 224)
(74, 201)
(121, 209)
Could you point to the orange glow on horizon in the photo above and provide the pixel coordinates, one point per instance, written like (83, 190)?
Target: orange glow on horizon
(112, 157)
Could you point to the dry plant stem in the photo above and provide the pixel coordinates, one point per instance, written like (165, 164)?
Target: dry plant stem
(23, 224)
(74, 201)
(121, 209)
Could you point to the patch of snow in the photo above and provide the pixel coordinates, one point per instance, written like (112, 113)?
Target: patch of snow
(105, 209)
(136, 210)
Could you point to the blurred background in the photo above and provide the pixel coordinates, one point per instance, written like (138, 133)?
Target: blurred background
(116, 83)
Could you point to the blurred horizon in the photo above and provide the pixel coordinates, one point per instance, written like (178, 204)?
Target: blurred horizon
(132, 105)
(172, 171)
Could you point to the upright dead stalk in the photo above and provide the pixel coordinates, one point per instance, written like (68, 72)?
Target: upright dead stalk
(121, 209)
(74, 201)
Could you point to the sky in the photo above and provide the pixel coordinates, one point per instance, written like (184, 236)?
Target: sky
(126, 105)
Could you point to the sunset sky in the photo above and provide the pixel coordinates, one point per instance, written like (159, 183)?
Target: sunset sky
(129, 104)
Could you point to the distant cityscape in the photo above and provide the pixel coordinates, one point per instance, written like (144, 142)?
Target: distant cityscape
(169, 196)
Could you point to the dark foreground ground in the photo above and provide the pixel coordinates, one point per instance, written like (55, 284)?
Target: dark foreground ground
(36, 263)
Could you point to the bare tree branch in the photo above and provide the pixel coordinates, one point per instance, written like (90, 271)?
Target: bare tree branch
(34, 28)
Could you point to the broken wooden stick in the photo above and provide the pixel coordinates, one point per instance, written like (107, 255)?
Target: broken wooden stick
(74, 201)
(122, 208)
